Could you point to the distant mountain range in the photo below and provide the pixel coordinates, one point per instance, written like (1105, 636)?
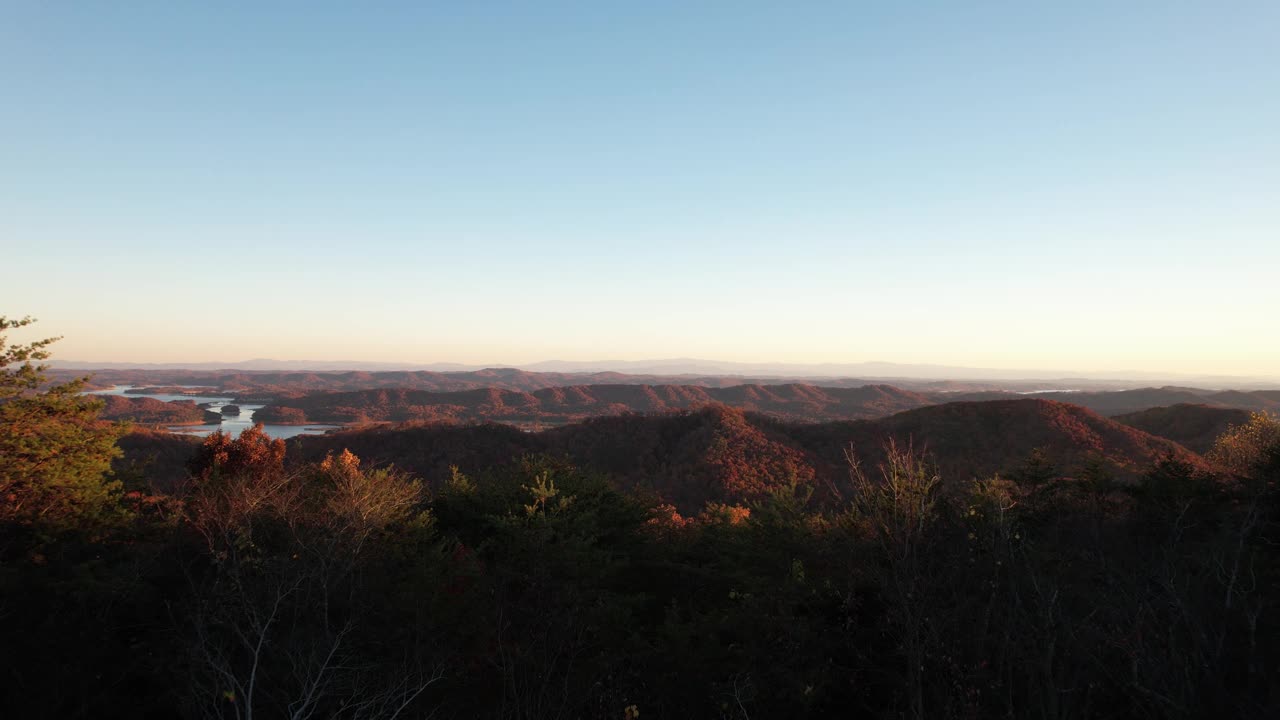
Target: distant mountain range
(265, 364)
(680, 368)
(282, 383)
(876, 370)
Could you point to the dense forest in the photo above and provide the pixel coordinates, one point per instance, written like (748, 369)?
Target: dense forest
(791, 401)
(560, 405)
(1015, 559)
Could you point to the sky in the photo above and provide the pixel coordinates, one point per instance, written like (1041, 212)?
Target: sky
(1079, 186)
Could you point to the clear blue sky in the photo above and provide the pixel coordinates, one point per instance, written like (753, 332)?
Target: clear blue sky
(1083, 185)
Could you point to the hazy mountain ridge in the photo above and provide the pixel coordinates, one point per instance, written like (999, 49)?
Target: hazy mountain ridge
(692, 367)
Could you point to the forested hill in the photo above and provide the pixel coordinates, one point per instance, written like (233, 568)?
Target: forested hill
(1191, 425)
(150, 411)
(974, 440)
(561, 405)
(723, 454)
(1128, 401)
(795, 401)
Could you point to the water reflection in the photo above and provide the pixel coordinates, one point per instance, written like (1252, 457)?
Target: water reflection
(232, 424)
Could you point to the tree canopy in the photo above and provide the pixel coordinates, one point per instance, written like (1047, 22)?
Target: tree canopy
(55, 452)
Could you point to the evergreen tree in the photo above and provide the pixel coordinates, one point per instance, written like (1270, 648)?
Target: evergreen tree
(55, 453)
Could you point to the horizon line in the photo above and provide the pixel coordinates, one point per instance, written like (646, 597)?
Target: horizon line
(773, 369)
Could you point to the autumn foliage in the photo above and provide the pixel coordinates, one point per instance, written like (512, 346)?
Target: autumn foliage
(1004, 559)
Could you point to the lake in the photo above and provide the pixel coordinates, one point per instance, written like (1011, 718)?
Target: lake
(233, 425)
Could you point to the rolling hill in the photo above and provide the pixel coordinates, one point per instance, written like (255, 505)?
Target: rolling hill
(1122, 402)
(560, 405)
(978, 439)
(722, 454)
(1193, 426)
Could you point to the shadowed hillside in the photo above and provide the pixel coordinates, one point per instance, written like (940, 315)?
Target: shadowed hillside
(716, 454)
(1193, 426)
(425, 449)
(722, 454)
(1120, 402)
(155, 459)
(978, 439)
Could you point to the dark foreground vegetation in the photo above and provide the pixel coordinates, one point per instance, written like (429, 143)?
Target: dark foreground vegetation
(549, 581)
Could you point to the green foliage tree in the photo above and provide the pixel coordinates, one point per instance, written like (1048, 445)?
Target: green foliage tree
(55, 453)
(65, 591)
(558, 544)
(1036, 470)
